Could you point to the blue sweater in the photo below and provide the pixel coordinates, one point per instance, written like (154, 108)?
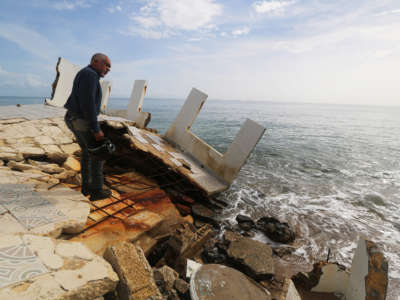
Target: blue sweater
(85, 98)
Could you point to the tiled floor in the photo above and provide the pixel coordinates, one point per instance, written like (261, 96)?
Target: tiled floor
(28, 207)
(18, 262)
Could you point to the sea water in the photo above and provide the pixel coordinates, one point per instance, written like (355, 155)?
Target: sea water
(331, 171)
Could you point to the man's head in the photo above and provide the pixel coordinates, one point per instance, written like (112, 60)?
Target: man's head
(101, 63)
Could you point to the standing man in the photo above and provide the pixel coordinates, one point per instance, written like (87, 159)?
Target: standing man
(83, 107)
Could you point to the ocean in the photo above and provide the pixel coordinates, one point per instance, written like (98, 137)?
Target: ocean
(331, 171)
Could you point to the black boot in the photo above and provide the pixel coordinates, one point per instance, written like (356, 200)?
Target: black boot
(99, 194)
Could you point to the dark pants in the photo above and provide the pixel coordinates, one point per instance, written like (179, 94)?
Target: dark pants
(91, 168)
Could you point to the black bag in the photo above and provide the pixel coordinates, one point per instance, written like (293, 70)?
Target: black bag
(103, 150)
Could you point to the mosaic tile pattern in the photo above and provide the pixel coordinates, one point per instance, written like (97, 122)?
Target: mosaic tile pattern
(18, 263)
(28, 207)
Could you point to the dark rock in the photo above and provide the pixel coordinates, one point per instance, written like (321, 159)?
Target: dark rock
(284, 250)
(181, 286)
(244, 219)
(213, 255)
(276, 230)
(217, 282)
(251, 257)
(248, 234)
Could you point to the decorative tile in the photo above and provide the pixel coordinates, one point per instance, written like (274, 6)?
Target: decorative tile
(18, 263)
(28, 207)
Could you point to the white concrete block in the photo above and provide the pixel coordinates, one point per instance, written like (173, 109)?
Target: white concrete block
(62, 88)
(135, 112)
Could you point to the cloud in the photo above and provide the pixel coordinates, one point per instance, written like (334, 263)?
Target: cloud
(29, 40)
(389, 12)
(274, 6)
(114, 9)
(166, 17)
(241, 31)
(71, 4)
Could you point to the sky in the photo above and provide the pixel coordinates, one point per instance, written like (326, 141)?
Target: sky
(324, 51)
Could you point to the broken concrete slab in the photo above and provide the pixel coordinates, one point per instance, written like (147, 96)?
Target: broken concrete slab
(42, 211)
(215, 282)
(62, 85)
(252, 257)
(165, 278)
(135, 273)
(38, 272)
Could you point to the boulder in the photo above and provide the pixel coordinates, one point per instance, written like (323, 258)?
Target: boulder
(135, 273)
(245, 222)
(276, 230)
(252, 257)
(216, 282)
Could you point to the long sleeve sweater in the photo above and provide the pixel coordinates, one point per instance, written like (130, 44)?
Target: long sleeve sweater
(85, 98)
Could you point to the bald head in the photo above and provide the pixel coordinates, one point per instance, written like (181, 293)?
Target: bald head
(101, 63)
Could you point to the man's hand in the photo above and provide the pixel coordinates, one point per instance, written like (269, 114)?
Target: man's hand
(99, 136)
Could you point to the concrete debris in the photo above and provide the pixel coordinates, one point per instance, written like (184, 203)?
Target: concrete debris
(215, 282)
(251, 257)
(191, 267)
(43, 274)
(368, 278)
(135, 273)
(72, 164)
(181, 286)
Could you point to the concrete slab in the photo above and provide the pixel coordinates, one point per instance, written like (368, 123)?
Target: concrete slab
(62, 85)
(77, 276)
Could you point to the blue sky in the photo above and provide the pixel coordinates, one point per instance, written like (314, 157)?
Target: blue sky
(329, 51)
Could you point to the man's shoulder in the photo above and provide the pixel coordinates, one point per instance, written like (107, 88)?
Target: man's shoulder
(88, 71)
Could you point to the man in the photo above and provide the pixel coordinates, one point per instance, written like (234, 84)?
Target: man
(83, 107)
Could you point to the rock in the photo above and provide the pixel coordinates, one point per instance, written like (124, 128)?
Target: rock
(135, 273)
(30, 151)
(216, 282)
(2, 164)
(252, 257)
(72, 164)
(71, 149)
(275, 230)
(20, 166)
(165, 278)
(11, 156)
(245, 222)
(214, 256)
(181, 286)
(44, 140)
(51, 168)
(284, 250)
(204, 213)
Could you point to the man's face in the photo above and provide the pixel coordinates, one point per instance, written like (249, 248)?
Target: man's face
(102, 66)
